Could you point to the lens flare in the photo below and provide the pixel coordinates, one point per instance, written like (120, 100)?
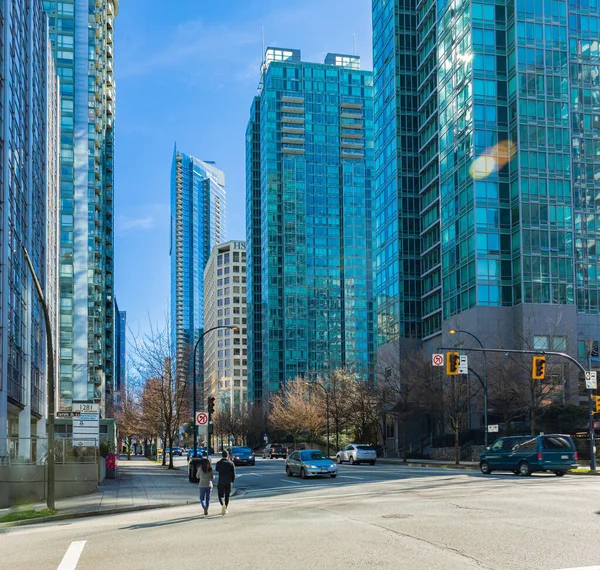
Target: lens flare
(492, 160)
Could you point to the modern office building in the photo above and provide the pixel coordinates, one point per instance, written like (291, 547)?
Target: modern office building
(309, 157)
(82, 42)
(225, 351)
(120, 355)
(197, 225)
(487, 170)
(29, 174)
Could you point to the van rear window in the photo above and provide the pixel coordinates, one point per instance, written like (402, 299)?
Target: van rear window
(554, 442)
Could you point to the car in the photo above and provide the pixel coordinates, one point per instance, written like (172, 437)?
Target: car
(242, 455)
(524, 455)
(177, 451)
(357, 453)
(310, 463)
(200, 452)
(273, 450)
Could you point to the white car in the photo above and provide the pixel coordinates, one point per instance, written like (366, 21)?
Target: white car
(357, 453)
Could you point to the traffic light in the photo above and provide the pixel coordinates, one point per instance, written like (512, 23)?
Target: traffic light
(538, 368)
(211, 405)
(597, 400)
(452, 359)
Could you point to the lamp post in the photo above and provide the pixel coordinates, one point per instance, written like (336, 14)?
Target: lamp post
(194, 381)
(50, 382)
(485, 383)
(326, 408)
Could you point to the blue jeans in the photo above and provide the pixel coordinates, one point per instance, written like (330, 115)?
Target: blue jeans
(205, 496)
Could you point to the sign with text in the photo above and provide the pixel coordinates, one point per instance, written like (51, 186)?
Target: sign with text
(463, 364)
(86, 425)
(591, 380)
(493, 428)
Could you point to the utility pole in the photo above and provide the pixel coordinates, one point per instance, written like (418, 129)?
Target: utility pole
(50, 382)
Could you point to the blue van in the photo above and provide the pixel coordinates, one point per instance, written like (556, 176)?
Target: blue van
(525, 454)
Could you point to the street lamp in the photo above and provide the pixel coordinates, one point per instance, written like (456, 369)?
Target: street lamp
(326, 408)
(485, 382)
(235, 329)
(50, 382)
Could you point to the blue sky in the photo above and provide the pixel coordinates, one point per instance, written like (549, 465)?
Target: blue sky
(187, 74)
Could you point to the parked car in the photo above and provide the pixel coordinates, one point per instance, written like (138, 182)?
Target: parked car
(357, 453)
(310, 463)
(274, 450)
(524, 455)
(177, 451)
(242, 455)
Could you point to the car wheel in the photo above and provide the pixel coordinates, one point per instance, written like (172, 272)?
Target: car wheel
(303, 474)
(338, 460)
(352, 462)
(524, 469)
(333, 475)
(372, 462)
(485, 468)
(285, 456)
(289, 472)
(559, 473)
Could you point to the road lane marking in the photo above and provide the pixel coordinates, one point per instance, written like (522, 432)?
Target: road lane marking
(289, 481)
(583, 568)
(71, 557)
(352, 477)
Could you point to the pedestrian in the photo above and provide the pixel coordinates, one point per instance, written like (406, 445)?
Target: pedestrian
(226, 470)
(205, 477)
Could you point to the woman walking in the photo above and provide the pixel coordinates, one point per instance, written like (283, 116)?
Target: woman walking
(205, 477)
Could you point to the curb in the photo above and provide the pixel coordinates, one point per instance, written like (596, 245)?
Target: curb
(87, 514)
(430, 465)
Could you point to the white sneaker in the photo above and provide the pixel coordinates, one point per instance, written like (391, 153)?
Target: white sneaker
(223, 510)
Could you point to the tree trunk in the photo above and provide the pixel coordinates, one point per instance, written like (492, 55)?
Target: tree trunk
(456, 449)
(128, 440)
(170, 451)
(164, 455)
(405, 440)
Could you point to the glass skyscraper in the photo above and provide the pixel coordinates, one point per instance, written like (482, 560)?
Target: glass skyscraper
(197, 225)
(81, 32)
(505, 100)
(309, 220)
(29, 126)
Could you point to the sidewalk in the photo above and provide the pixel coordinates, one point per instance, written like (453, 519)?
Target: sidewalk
(429, 463)
(142, 484)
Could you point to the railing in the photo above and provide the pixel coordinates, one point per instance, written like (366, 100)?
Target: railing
(34, 450)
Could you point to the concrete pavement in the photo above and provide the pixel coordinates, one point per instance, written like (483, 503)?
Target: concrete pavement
(382, 516)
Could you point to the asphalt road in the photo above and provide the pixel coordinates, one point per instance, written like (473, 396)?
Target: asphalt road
(383, 516)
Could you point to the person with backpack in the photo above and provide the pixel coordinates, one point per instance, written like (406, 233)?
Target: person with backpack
(205, 476)
(226, 470)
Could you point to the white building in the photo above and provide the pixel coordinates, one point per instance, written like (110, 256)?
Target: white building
(225, 351)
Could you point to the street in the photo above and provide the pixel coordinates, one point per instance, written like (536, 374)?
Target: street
(386, 516)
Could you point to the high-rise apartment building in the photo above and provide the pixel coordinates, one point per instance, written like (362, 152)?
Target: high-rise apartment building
(120, 355)
(197, 225)
(82, 40)
(29, 129)
(309, 220)
(225, 351)
(493, 113)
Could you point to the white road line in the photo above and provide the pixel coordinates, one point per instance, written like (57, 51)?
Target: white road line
(290, 481)
(583, 568)
(352, 477)
(71, 557)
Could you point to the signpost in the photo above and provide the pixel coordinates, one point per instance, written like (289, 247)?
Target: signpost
(591, 380)
(86, 425)
(463, 364)
(201, 419)
(437, 360)
(493, 428)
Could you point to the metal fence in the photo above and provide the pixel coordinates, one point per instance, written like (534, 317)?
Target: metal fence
(34, 451)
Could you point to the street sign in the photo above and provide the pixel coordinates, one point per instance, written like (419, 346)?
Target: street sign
(201, 418)
(437, 360)
(266, 437)
(86, 425)
(463, 364)
(591, 380)
(67, 415)
(493, 428)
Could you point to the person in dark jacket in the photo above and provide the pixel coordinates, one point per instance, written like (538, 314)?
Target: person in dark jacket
(226, 471)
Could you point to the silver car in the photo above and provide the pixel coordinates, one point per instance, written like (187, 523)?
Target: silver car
(310, 463)
(357, 453)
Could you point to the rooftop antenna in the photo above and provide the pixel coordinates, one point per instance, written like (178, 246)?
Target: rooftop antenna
(354, 44)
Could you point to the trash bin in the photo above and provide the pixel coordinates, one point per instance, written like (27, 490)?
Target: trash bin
(112, 466)
(193, 467)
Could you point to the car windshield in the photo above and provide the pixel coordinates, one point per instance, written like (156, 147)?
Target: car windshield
(241, 450)
(312, 455)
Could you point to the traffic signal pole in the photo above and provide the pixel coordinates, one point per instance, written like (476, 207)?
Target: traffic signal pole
(551, 353)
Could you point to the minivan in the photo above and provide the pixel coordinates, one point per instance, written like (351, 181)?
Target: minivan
(525, 454)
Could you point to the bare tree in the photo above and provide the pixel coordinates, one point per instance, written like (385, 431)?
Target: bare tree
(364, 412)
(129, 418)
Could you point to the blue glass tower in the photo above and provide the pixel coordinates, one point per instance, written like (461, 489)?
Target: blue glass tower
(197, 225)
(309, 220)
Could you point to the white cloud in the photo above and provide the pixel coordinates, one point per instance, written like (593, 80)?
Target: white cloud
(128, 224)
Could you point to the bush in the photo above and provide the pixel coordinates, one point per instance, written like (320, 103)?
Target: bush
(106, 448)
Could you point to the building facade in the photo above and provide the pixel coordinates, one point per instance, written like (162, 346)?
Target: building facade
(81, 32)
(506, 107)
(309, 220)
(120, 355)
(225, 351)
(29, 127)
(197, 225)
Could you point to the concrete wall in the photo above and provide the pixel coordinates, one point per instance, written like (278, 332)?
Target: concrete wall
(20, 484)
